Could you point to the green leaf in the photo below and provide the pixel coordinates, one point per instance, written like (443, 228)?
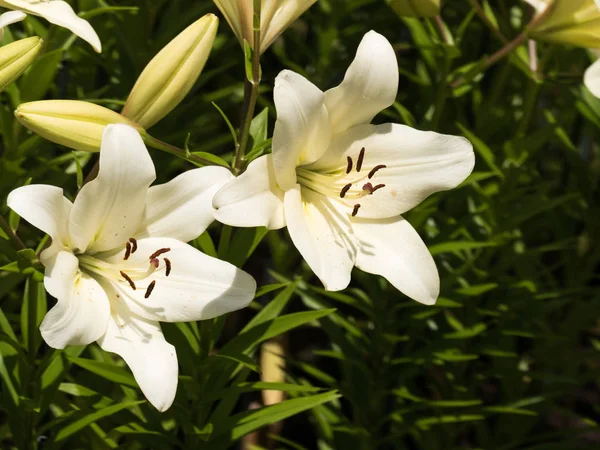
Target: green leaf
(242, 359)
(248, 421)
(37, 80)
(106, 370)
(89, 419)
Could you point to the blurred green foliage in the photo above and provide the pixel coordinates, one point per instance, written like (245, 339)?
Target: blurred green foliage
(507, 359)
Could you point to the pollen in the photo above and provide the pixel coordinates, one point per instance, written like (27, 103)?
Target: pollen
(133, 245)
(128, 279)
(349, 167)
(159, 252)
(150, 289)
(355, 210)
(345, 189)
(361, 158)
(375, 169)
(167, 267)
(127, 251)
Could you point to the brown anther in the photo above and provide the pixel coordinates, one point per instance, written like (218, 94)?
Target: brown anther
(368, 187)
(149, 289)
(361, 158)
(127, 251)
(349, 168)
(355, 210)
(133, 245)
(129, 280)
(379, 186)
(167, 267)
(375, 169)
(345, 189)
(159, 252)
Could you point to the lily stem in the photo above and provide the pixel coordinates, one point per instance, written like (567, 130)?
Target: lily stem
(11, 234)
(168, 148)
(485, 19)
(251, 87)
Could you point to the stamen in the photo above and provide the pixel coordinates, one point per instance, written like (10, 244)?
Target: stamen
(149, 289)
(355, 211)
(129, 280)
(345, 189)
(375, 169)
(168, 267)
(368, 187)
(349, 168)
(133, 245)
(127, 251)
(379, 186)
(361, 157)
(159, 252)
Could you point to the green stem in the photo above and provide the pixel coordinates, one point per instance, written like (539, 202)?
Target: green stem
(11, 234)
(250, 94)
(168, 148)
(485, 19)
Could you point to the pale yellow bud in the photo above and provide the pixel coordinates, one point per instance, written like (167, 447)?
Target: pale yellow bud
(575, 22)
(275, 17)
(272, 365)
(75, 124)
(16, 57)
(416, 8)
(171, 74)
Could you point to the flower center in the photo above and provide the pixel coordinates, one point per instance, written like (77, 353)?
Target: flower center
(126, 272)
(350, 185)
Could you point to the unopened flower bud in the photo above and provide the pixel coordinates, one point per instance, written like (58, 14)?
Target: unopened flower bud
(416, 8)
(16, 57)
(575, 22)
(275, 17)
(171, 74)
(75, 124)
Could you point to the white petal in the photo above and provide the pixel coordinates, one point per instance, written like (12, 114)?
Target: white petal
(253, 199)
(418, 163)
(370, 85)
(44, 207)
(182, 208)
(592, 78)
(59, 13)
(152, 360)
(198, 287)
(109, 209)
(323, 235)
(302, 131)
(393, 249)
(9, 18)
(80, 315)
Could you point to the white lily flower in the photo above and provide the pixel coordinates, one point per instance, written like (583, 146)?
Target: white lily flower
(59, 13)
(8, 18)
(340, 183)
(119, 263)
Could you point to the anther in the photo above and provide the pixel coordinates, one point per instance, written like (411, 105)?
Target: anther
(375, 169)
(349, 168)
(355, 210)
(379, 186)
(361, 157)
(133, 245)
(127, 251)
(149, 289)
(167, 267)
(345, 189)
(368, 187)
(129, 280)
(159, 252)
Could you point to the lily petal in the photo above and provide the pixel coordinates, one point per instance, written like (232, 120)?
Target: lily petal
(81, 315)
(369, 87)
(418, 163)
(198, 286)
(9, 18)
(322, 233)
(59, 13)
(302, 131)
(182, 208)
(393, 249)
(142, 345)
(253, 199)
(109, 209)
(592, 78)
(44, 207)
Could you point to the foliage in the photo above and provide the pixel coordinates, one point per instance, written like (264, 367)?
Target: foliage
(507, 359)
